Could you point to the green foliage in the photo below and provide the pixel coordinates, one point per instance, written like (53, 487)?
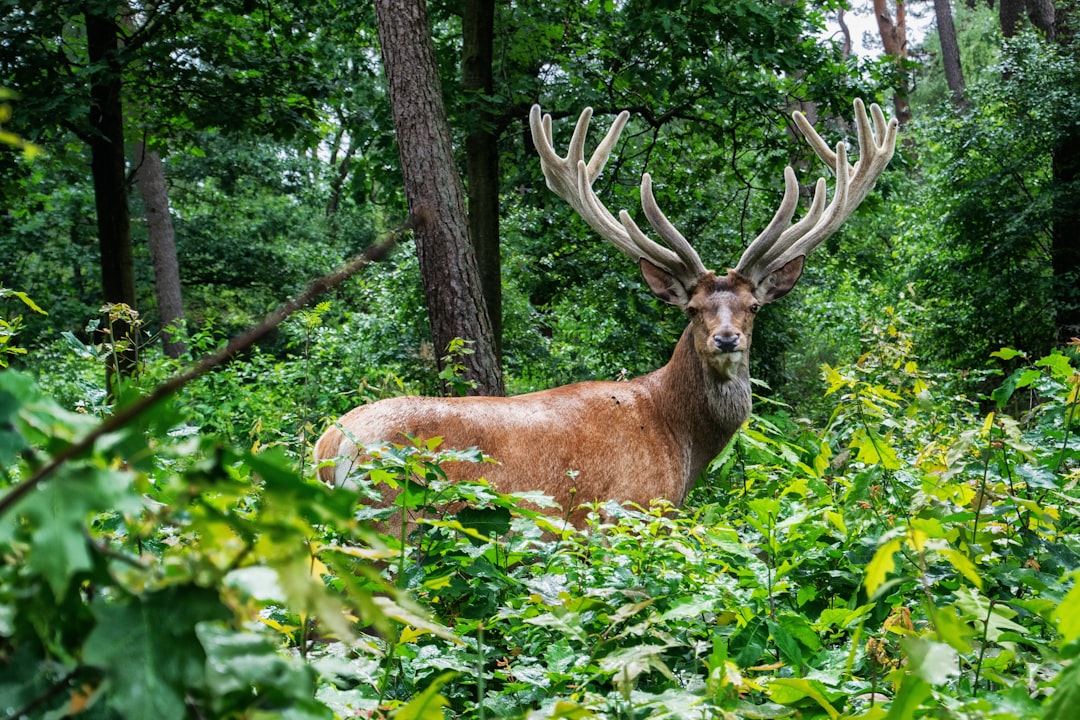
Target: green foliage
(11, 326)
(990, 207)
(914, 556)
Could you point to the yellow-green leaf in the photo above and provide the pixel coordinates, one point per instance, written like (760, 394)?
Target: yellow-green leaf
(963, 565)
(882, 564)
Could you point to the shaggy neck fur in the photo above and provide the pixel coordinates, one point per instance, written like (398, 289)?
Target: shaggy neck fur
(700, 406)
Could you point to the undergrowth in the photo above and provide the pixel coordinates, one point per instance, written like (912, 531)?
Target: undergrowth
(914, 556)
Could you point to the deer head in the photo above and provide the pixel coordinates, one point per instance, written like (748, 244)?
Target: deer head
(720, 307)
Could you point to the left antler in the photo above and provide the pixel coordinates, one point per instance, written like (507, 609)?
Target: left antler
(779, 242)
(571, 178)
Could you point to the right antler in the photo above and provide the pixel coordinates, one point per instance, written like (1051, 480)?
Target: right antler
(571, 178)
(778, 244)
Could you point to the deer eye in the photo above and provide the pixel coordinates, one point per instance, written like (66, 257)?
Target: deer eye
(754, 308)
(692, 311)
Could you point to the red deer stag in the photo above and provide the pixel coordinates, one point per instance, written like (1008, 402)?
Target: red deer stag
(651, 437)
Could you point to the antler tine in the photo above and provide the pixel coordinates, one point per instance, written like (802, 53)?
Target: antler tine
(757, 249)
(667, 232)
(571, 178)
(771, 249)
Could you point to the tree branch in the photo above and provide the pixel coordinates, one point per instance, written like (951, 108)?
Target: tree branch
(239, 343)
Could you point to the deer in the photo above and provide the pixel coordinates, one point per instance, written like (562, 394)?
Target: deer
(652, 437)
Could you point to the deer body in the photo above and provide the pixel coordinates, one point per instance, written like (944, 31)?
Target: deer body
(649, 438)
(577, 443)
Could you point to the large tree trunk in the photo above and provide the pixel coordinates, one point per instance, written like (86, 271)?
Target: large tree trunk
(950, 53)
(150, 179)
(482, 156)
(1065, 220)
(434, 191)
(1066, 231)
(108, 167)
(1066, 234)
(1040, 12)
(894, 39)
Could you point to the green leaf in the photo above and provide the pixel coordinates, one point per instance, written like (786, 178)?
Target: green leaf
(487, 522)
(873, 449)
(249, 668)
(1066, 697)
(1057, 364)
(785, 642)
(750, 642)
(148, 651)
(881, 565)
(1006, 353)
(1067, 614)
(932, 661)
(56, 514)
(963, 565)
(789, 691)
(913, 690)
(427, 705)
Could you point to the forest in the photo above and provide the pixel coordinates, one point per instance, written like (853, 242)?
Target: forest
(225, 224)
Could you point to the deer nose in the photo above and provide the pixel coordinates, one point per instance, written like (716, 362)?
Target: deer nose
(726, 343)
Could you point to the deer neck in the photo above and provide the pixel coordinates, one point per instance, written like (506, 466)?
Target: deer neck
(703, 408)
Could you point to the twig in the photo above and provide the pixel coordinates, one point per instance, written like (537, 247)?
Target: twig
(239, 343)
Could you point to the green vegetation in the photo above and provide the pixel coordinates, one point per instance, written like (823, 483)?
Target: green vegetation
(914, 554)
(893, 535)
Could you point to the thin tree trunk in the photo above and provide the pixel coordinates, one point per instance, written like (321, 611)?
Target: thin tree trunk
(108, 167)
(434, 191)
(482, 156)
(845, 31)
(894, 39)
(950, 53)
(150, 180)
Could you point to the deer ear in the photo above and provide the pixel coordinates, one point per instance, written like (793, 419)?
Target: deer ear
(663, 284)
(776, 284)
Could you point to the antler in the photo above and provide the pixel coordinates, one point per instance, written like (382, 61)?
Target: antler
(571, 178)
(780, 243)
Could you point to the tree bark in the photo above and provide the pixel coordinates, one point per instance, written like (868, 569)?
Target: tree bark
(150, 180)
(845, 31)
(950, 53)
(1065, 244)
(108, 167)
(894, 39)
(482, 156)
(1009, 14)
(1042, 15)
(1040, 12)
(1065, 164)
(434, 191)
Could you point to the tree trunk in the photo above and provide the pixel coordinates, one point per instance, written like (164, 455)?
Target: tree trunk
(845, 31)
(434, 191)
(150, 180)
(1066, 234)
(1009, 14)
(1065, 218)
(894, 39)
(1066, 228)
(482, 156)
(1042, 15)
(108, 167)
(950, 53)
